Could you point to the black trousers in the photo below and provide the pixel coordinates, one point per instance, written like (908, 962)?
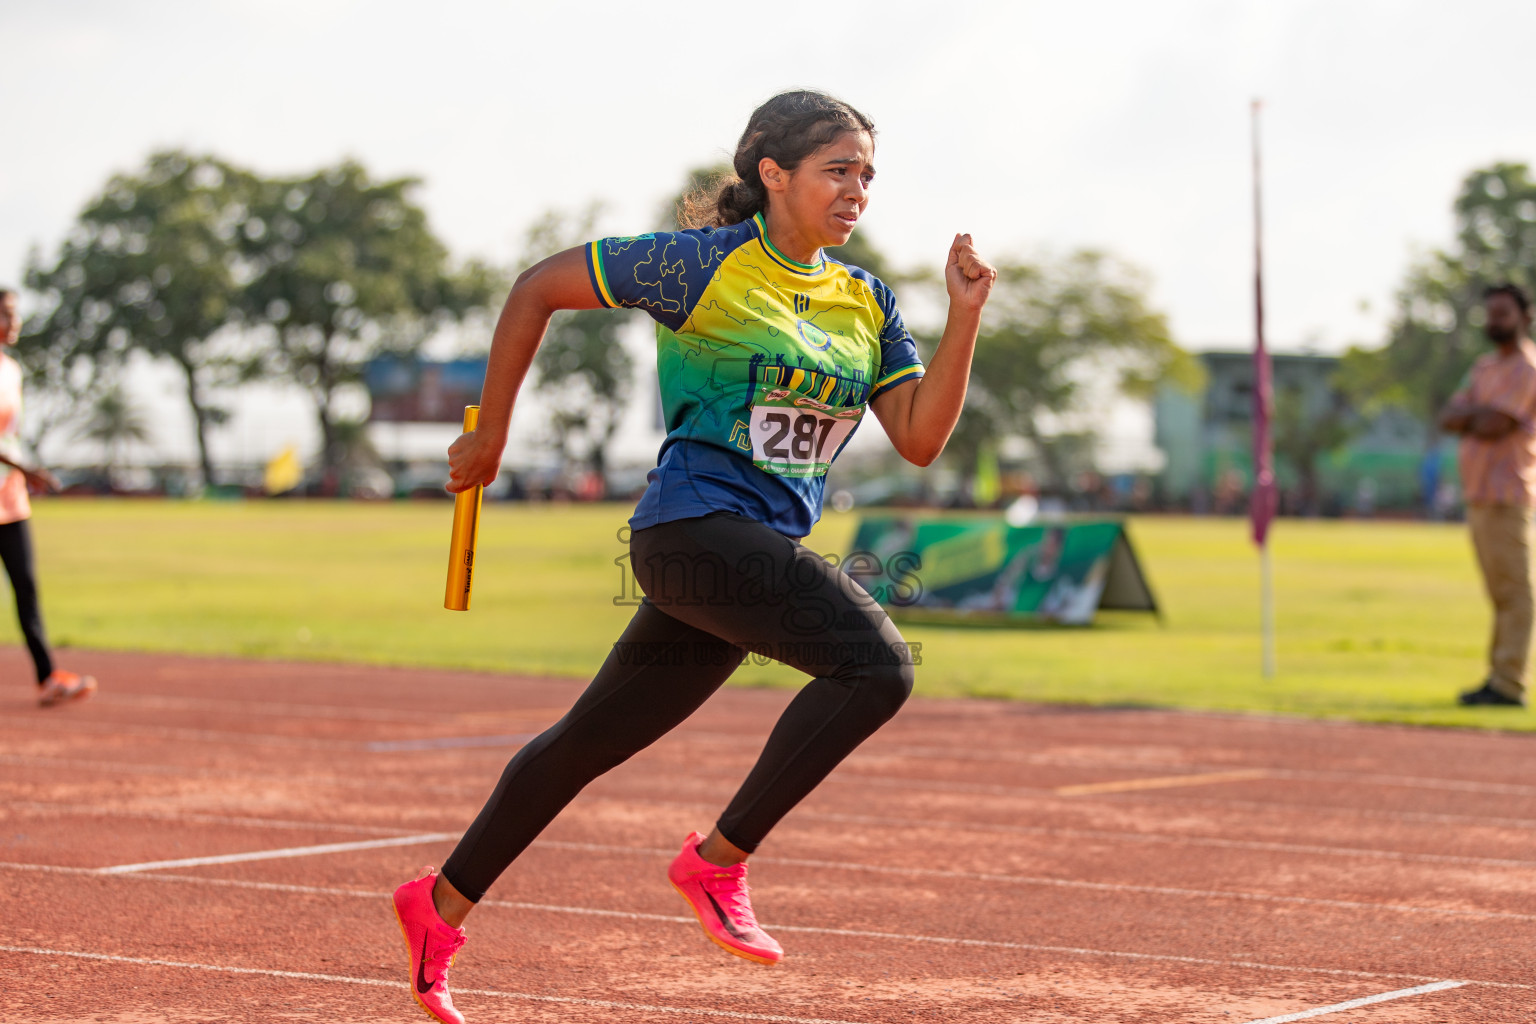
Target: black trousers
(717, 588)
(16, 553)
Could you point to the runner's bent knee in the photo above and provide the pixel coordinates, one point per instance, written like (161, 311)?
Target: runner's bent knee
(886, 687)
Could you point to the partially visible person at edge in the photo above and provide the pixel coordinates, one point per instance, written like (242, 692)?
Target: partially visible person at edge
(768, 352)
(1495, 414)
(55, 686)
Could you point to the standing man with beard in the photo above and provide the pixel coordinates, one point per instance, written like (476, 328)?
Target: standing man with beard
(1495, 414)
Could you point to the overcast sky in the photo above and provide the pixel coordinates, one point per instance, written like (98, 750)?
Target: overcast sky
(1037, 126)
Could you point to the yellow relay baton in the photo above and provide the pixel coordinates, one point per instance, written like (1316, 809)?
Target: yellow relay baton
(466, 534)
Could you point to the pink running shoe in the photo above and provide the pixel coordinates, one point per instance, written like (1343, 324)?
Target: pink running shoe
(432, 944)
(62, 687)
(719, 898)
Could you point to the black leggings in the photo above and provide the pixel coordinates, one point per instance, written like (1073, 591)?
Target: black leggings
(717, 588)
(16, 553)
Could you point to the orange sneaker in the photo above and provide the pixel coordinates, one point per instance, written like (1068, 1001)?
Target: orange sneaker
(62, 687)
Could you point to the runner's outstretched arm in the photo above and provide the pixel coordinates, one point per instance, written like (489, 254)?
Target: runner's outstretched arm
(559, 282)
(919, 417)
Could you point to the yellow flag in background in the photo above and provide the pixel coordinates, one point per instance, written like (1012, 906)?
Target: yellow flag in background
(986, 487)
(284, 472)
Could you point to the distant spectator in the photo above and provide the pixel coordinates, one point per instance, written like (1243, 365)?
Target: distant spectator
(17, 476)
(1495, 414)
(1365, 497)
(1446, 500)
(1429, 479)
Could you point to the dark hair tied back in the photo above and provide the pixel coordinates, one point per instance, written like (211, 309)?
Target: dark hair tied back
(786, 129)
(1513, 291)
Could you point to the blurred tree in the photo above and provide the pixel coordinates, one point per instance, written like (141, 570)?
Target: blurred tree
(861, 252)
(1496, 225)
(1436, 329)
(150, 265)
(582, 370)
(115, 422)
(1304, 436)
(1431, 342)
(358, 462)
(585, 373)
(343, 268)
(64, 370)
(1052, 335)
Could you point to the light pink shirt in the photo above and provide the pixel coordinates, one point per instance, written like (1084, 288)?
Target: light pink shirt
(14, 504)
(1502, 471)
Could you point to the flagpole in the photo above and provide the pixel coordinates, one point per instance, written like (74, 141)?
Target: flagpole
(1264, 499)
(1267, 609)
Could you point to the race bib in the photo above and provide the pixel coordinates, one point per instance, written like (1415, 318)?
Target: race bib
(795, 435)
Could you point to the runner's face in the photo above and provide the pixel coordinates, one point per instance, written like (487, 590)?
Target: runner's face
(828, 192)
(10, 321)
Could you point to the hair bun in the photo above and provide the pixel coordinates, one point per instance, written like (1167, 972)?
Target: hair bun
(739, 200)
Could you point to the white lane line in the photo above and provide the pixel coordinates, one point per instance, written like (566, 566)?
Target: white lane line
(270, 708)
(877, 754)
(976, 876)
(1354, 1004)
(184, 771)
(191, 818)
(1069, 758)
(848, 775)
(630, 915)
(937, 824)
(342, 979)
(449, 743)
(1014, 793)
(391, 715)
(261, 739)
(291, 851)
(107, 768)
(1408, 782)
(343, 713)
(1184, 799)
(1373, 813)
(59, 726)
(280, 710)
(1052, 831)
(1162, 782)
(1068, 883)
(1075, 760)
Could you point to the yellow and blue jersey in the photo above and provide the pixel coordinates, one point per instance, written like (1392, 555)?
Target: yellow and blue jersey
(766, 366)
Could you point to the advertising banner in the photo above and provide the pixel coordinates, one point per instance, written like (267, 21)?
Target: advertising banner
(981, 569)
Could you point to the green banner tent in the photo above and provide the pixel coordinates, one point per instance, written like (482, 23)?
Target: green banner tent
(982, 569)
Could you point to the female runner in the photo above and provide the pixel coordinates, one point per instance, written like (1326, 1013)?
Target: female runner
(768, 353)
(54, 685)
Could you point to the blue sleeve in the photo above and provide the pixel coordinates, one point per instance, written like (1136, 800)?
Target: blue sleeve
(664, 274)
(899, 361)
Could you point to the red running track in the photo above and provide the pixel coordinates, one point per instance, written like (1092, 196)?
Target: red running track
(215, 840)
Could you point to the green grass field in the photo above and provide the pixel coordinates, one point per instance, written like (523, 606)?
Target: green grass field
(1377, 621)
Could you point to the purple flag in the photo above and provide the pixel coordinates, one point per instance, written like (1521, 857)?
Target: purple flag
(1265, 499)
